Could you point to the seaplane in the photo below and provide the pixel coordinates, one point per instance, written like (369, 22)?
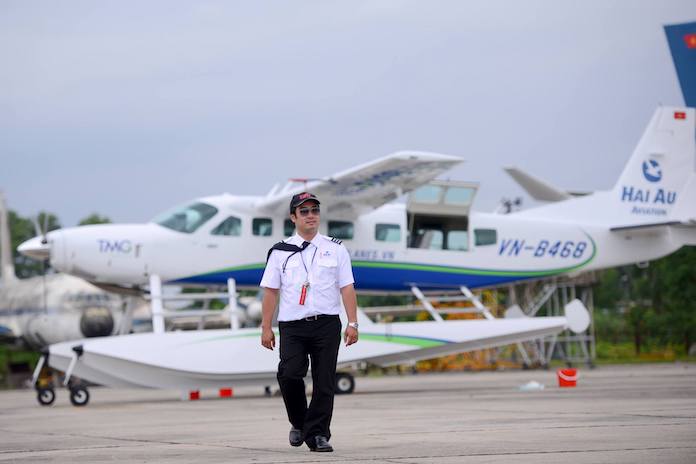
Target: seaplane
(432, 242)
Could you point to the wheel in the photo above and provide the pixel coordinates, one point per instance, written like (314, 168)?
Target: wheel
(345, 383)
(46, 396)
(79, 396)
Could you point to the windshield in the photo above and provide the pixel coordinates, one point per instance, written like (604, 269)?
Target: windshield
(186, 218)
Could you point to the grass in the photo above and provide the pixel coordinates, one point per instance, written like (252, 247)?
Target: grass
(9, 356)
(624, 353)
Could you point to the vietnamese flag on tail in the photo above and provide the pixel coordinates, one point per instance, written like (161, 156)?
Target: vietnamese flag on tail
(679, 115)
(690, 40)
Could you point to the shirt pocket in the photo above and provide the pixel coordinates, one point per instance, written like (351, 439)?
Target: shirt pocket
(328, 272)
(292, 273)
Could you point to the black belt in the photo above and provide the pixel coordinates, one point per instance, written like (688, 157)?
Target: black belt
(318, 316)
(311, 318)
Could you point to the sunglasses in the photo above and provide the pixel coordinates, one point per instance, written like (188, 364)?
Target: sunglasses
(305, 211)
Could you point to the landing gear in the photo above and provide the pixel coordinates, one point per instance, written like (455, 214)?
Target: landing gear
(79, 396)
(45, 396)
(43, 382)
(345, 383)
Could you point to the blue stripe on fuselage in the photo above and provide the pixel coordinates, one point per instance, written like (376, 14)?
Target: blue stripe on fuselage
(367, 278)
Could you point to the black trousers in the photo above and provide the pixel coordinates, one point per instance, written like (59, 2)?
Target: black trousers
(319, 340)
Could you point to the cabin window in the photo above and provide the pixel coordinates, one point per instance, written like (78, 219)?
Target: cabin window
(484, 237)
(187, 218)
(459, 196)
(262, 226)
(341, 229)
(429, 239)
(457, 240)
(232, 226)
(288, 228)
(388, 232)
(427, 194)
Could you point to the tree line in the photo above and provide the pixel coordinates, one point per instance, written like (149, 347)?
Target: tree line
(652, 307)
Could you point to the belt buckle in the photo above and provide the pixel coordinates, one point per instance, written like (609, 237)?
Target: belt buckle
(312, 318)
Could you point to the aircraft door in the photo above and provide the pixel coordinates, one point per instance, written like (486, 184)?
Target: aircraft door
(438, 216)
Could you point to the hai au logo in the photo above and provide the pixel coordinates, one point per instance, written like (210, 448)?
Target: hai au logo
(652, 171)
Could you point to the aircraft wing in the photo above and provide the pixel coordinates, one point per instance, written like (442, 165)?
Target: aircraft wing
(368, 186)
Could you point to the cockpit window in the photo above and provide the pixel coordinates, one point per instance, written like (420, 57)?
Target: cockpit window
(232, 227)
(188, 218)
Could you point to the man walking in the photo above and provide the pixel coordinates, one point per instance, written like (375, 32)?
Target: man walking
(308, 272)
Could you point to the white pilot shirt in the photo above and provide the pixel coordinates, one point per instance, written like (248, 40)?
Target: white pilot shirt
(324, 264)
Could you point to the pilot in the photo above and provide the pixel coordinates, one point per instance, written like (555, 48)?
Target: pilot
(308, 272)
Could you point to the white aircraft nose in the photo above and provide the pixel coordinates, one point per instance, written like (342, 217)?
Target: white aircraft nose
(35, 248)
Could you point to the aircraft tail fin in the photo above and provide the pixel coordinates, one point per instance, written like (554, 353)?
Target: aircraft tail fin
(7, 272)
(682, 44)
(659, 182)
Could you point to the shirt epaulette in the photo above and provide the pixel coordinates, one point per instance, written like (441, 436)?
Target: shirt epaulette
(335, 240)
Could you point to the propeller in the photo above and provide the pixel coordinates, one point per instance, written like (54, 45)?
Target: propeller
(41, 232)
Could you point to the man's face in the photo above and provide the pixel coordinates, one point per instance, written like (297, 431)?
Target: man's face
(306, 217)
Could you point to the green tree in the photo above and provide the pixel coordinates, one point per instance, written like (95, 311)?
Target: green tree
(678, 294)
(94, 218)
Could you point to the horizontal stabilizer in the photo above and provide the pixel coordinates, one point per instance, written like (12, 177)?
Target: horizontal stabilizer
(536, 188)
(656, 225)
(680, 232)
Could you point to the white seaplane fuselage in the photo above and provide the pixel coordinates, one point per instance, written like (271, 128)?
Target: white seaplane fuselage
(519, 247)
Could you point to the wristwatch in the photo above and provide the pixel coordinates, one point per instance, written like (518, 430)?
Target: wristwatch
(353, 325)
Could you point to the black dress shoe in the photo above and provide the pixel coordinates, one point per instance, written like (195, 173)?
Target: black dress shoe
(321, 445)
(295, 437)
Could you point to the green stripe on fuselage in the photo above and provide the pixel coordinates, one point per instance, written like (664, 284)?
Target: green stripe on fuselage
(431, 268)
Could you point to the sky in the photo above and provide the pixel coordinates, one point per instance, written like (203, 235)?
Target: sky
(127, 108)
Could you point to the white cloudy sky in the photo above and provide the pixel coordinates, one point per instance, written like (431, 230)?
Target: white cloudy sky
(126, 108)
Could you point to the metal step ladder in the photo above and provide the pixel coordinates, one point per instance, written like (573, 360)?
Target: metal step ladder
(467, 295)
(159, 313)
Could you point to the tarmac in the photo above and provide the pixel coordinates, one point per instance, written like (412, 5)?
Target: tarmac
(616, 414)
